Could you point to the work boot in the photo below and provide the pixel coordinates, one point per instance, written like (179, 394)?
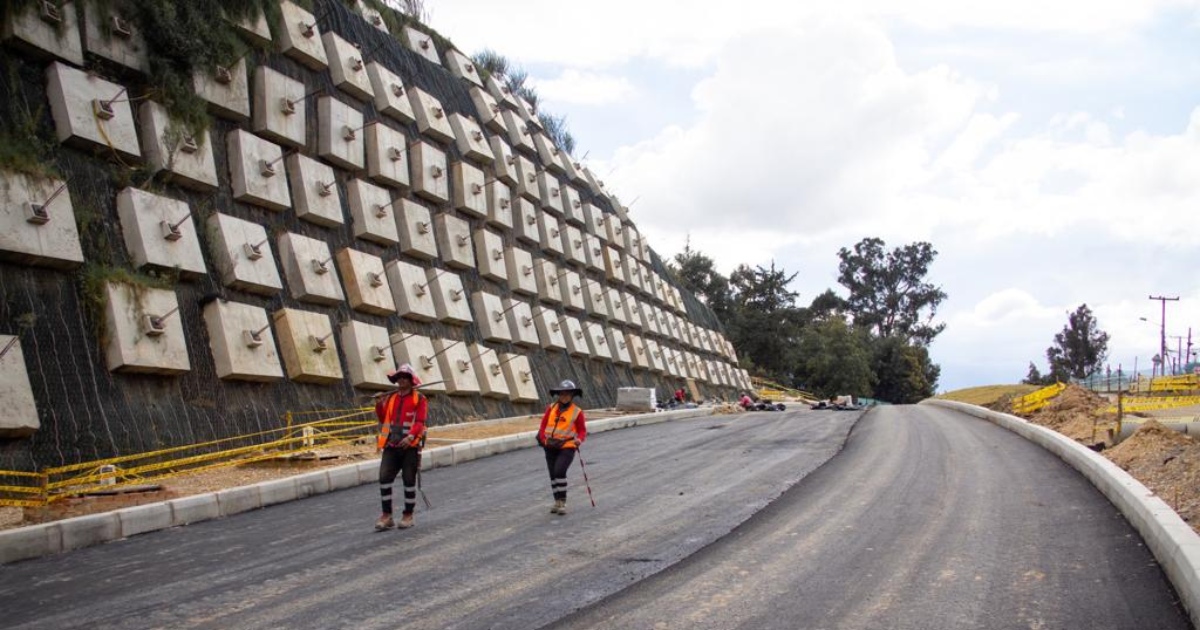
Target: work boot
(560, 507)
(406, 521)
(385, 522)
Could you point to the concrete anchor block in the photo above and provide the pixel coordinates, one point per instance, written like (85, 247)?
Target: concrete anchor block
(93, 529)
(140, 519)
(238, 500)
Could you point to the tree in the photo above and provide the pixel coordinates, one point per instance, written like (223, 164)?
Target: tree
(1080, 349)
(763, 321)
(698, 274)
(904, 374)
(888, 291)
(835, 359)
(1034, 376)
(762, 289)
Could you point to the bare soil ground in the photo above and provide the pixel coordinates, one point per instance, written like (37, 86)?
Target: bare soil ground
(1165, 461)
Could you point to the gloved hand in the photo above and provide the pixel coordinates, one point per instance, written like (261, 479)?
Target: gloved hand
(396, 440)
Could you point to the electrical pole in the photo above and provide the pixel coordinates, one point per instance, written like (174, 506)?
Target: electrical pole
(1163, 327)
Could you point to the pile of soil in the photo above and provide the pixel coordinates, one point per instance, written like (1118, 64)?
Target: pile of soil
(1167, 462)
(1079, 414)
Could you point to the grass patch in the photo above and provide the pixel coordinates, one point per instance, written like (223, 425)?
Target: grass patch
(95, 278)
(988, 394)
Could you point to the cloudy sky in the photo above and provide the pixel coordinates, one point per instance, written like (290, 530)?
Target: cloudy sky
(1048, 149)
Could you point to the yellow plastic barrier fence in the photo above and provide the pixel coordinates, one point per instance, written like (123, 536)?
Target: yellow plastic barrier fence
(1154, 403)
(1035, 400)
(32, 489)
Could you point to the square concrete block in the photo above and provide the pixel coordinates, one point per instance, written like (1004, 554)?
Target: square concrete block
(489, 111)
(253, 29)
(615, 230)
(372, 213)
(280, 109)
(432, 119)
(550, 191)
(572, 291)
(548, 277)
(347, 69)
(518, 133)
(489, 255)
(44, 30)
(594, 184)
(340, 134)
(519, 264)
(649, 319)
(525, 109)
(574, 247)
(594, 253)
(109, 32)
(257, 171)
(595, 299)
(391, 95)
(160, 233)
(573, 206)
(594, 221)
(616, 306)
(417, 351)
(577, 343)
(415, 227)
(613, 271)
(471, 141)
(470, 194)
(314, 191)
(528, 182)
(449, 297)
(504, 164)
(226, 89)
(618, 345)
(189, 160)
(144, 331)
(597, 341)
(410, 291)
(462, 67)
(570, 170)
(242, 253)
(627, 272)
(654, 356)
(500, 91)
(519, 377)
(299, 37)
(241, 341)
(366, 282)
(490, 316)
(550, 233)
(454, 360)
(630, 236)
(429, 177)
(368, 355)
(422, 44)
(499, 204)
(649, 281)
(547, 152)
(37, 222)
(387, 156)
(91, 113)
(637, 351)
(521, 325)
(20, 418)
(489, 372)
(454, 241)
(550, 331)
(525, 221)
(309, 269)
(309, 348)
(372, 17)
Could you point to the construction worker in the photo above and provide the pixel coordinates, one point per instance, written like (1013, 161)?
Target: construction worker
(745, 401)
(560, 434)
(402, 415)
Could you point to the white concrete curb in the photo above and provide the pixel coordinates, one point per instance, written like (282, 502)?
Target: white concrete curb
(1172, 541)
(34, 541)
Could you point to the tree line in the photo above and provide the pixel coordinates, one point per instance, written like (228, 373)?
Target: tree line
(872, 343)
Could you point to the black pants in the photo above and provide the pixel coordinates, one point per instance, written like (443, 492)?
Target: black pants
(558, 460)
(404, 461)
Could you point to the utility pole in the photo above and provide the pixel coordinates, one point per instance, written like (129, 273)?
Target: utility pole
(1163, 329)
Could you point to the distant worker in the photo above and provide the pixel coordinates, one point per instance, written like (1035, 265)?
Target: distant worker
(745, 401)
(402, 416)
(679, 396)
(560, 434)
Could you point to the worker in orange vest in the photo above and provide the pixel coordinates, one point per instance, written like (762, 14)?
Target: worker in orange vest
(560, 434)
(402, 415)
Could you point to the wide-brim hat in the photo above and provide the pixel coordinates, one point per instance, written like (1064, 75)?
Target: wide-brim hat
(404, 369)
(566, 387)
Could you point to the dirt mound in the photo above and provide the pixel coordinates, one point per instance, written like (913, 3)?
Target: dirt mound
(1079, 414)
(1165, 461)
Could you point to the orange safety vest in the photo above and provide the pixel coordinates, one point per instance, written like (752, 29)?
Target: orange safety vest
(561, 425)
(393, 404)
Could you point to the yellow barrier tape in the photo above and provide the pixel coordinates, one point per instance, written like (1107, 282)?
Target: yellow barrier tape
(1036, 400)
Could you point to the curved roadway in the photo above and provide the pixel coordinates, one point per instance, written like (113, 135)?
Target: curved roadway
(926, 519)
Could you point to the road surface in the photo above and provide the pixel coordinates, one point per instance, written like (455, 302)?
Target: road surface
(926, 519)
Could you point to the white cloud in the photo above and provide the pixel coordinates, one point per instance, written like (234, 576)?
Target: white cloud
(584, 88)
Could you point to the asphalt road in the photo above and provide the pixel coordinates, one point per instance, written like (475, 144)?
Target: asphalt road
(926, 519)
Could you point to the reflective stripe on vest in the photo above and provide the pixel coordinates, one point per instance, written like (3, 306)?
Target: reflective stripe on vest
(562, 425)
(394, 403)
